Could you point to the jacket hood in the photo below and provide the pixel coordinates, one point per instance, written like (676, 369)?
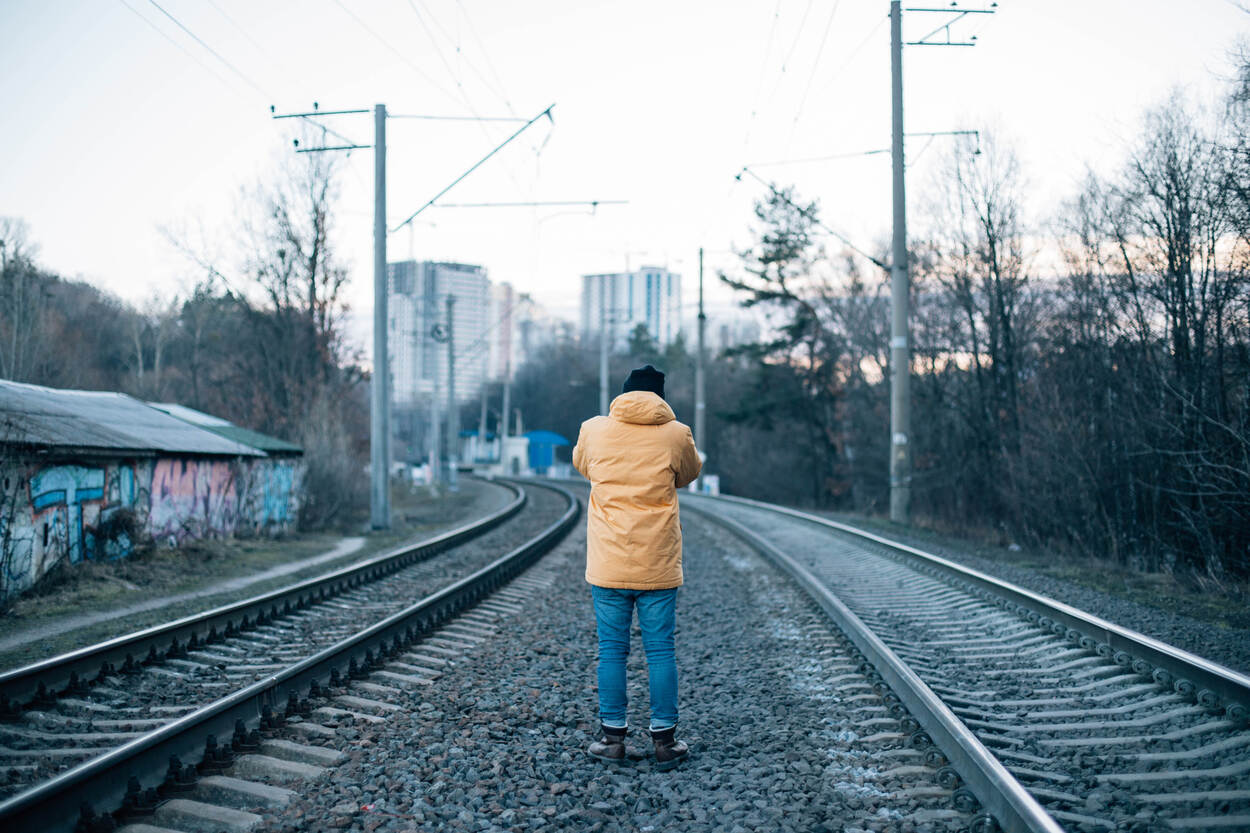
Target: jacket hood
(641, 407)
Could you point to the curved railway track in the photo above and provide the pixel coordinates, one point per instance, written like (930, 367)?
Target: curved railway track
(147, 723)
(1050, 718)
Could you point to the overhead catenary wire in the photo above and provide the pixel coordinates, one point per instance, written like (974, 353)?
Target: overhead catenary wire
(807, 88)
(241, 30)
(931, 134)
(759, 87)
(829, 158)
(781, 73)
(855, 53)
(179, 46)
(453, 118)
(459, 52)
(808, 214)
(212, 51)
(422, 73)
(464, 94)
(530, 204)
(475, 166)
(503, 91)
(238, 72)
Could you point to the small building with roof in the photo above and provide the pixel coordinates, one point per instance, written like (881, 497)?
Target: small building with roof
(90, 474)
(542, 450)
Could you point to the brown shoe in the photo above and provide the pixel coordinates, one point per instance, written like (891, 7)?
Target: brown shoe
(668, 751)
(610, 748)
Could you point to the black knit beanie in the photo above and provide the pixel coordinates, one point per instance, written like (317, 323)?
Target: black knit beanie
(645, 378)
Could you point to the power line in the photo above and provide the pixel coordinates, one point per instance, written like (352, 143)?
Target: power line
(831, 157)
(530, 204)
(759, 87)
(235, 24)
(503, 92)
(807, 88)
(395, 51)
(931, 134)
(805, 212)
(453, 118)
(214, 52)
(476, 165)
(464, 95)
(438, 51)
(855, 52)
(180, 47)
(305, 116)
(459, 52)
(793, 45)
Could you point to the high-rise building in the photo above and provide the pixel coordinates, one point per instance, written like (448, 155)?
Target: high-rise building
(418, 302)
(650, 296)
(534, 327)
(501, 358)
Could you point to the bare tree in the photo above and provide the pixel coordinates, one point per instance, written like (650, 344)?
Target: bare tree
(23, 301)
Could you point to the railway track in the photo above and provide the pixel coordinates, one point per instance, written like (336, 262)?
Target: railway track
(1050, 718)
(148, 723)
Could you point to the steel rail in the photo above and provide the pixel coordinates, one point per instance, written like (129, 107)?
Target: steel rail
(1001, 795)
(1212, 685)
(102, 783)
(69, 673)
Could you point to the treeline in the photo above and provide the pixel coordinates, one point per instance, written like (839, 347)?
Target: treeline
(257, 340)
(759, 443)
(1084, 383)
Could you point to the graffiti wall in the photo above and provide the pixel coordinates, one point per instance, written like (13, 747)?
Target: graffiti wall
(54, 513)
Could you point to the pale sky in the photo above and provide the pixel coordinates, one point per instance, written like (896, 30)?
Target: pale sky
(112, 128)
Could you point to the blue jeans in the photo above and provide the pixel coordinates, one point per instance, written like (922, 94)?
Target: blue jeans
(657, 616)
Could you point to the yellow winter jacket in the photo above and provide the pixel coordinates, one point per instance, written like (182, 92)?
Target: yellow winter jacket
(636, 459)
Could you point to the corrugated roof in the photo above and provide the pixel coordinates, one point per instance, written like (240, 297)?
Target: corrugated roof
(101, 420)
(190, 415)
(228, 429)
(255, 439)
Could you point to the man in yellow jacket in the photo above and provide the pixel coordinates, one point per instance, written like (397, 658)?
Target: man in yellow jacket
(636, 458)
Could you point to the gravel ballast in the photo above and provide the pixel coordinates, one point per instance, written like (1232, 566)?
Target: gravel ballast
(131, 703)
(1225, 645)
(1098, 737)
(786, 733)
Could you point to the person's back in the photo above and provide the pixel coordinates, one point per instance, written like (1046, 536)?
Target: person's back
(635, 459)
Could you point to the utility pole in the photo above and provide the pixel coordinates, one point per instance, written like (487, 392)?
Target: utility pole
(480, 445)
(453, 415)
(900, 278)
(603, 345)
(507, 390)
(507, 397)
(436, 445)
(700, 406)
(380, 411)
(380, 399)
(900, 350)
